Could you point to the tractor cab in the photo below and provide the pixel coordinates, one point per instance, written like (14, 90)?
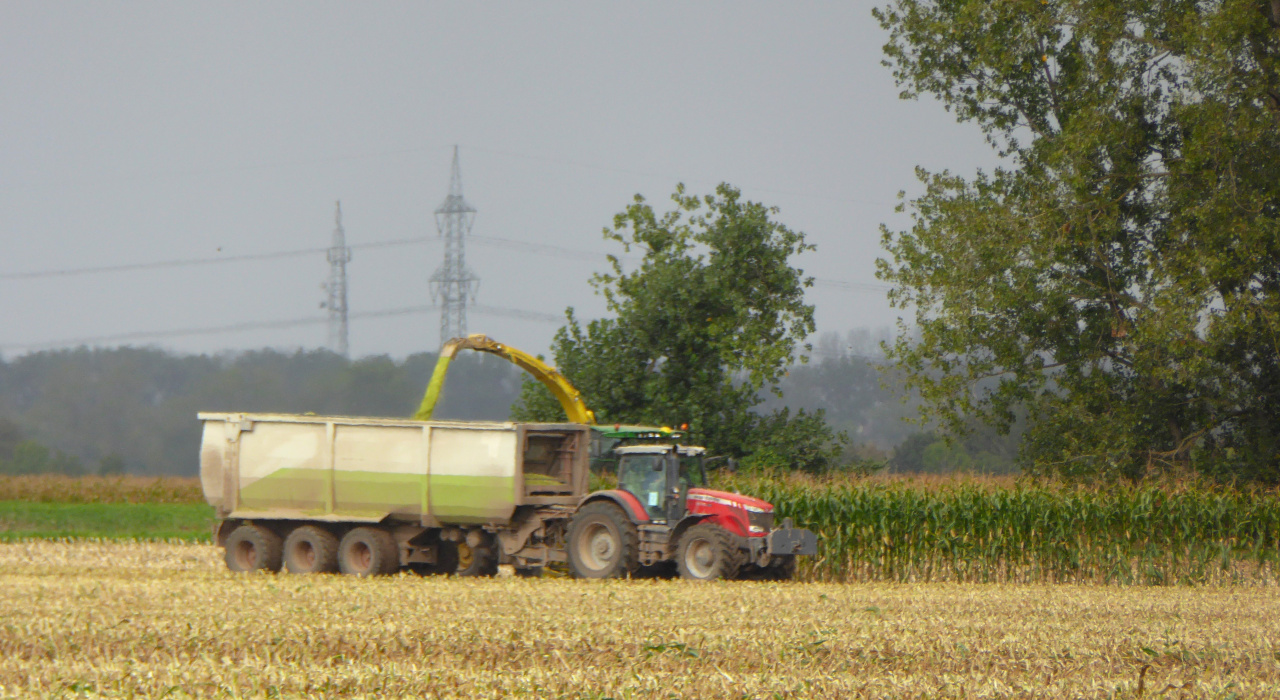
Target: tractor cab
(660, 476)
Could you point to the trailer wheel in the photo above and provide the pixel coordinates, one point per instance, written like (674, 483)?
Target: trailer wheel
(253, 548)
(477, 561)
(602, 542)
(708, 552)
(368, 551)
(311, 550)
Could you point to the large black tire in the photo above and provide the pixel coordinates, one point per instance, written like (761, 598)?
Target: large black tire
(603, 542)
(311, 549)
(708, 552)
(253, 548)
(368, 551)
(477, 561)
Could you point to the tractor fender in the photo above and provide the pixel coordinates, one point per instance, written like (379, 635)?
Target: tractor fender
(685, 523)
(625, 500)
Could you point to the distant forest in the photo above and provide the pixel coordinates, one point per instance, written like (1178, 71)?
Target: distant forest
(134, 409)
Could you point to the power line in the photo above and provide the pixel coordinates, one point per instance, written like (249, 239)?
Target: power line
(179, 262)
(493, 241)
(190, 262)
(501, 311)
(523, 246)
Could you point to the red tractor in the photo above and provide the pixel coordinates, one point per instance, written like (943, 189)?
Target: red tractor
(662, 512)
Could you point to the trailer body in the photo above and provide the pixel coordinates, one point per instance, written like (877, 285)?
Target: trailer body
(276, 466)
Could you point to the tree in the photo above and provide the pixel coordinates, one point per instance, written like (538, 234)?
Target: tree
(1119, 276)
(711, 316)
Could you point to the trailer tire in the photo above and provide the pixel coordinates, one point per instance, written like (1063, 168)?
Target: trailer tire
(311, 550)
(603, 542)
(708, 552)
(253, 548)
(368, 551)
(476, 561)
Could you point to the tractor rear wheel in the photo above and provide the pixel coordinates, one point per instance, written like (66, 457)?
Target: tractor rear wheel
(708, 552)
(368, 551)
(253, 548)
(603, 542)
(311, 550)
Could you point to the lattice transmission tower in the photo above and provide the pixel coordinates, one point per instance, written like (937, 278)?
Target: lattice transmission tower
(453, 284)
(339, 255)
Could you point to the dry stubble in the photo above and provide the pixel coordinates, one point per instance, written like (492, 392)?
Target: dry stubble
(143, 620)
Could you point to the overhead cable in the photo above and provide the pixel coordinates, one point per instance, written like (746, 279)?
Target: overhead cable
(279, 324)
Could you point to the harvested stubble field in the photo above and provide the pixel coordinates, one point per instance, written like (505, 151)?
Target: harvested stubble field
(86, 619)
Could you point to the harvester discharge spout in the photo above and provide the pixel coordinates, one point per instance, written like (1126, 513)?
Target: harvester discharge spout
(574, 408)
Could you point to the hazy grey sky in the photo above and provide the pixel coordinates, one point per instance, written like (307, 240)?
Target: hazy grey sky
(140, 132)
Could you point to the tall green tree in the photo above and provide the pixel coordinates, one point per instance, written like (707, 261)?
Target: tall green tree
(1119, 275)
(713, 314)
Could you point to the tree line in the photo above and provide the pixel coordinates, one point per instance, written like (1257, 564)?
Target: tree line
(134, 409)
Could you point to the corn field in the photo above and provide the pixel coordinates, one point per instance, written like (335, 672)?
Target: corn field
(52, 488)
(1013, 531)
(127, 620)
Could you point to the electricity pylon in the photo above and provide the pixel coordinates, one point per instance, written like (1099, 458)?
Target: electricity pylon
(339, 255)
(453, 284)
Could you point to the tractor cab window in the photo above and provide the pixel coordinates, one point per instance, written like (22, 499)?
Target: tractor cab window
(645, 477)
(691, 472)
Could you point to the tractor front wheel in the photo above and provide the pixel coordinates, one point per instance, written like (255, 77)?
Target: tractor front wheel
(708, 552)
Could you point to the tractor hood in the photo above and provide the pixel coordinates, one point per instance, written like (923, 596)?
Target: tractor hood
(730, 499)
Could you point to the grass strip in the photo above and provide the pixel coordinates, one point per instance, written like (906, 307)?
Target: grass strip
(23, 520)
